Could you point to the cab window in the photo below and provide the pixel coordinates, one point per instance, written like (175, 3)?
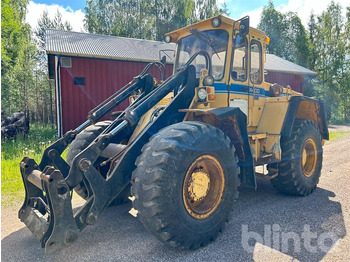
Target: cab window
(255, 62)
(239, 61)
(211, 42)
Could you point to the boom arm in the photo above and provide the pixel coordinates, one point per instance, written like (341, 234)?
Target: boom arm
(60, 227)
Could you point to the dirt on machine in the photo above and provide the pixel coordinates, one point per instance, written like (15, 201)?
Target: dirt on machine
(184, 144)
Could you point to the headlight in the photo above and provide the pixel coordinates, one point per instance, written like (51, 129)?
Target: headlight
(202, 94)
(216, 22)
(167, 39)
(275, 90)
(208, 81)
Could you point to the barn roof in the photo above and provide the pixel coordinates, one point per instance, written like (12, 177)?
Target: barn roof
(277, 64)
(59, 42)
(103, 46)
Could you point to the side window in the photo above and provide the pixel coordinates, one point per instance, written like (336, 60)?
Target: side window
(255, 62)
(218, 64)
(239, 66)
(183, 58)
(199, 62)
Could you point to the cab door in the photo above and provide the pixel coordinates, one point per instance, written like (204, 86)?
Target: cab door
(239, 80)
(257, 92)
(246, 81)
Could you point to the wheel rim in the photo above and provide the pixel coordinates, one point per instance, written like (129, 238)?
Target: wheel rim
(309, 157)
(203, 187)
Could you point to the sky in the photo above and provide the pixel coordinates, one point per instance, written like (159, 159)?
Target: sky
(73, 11)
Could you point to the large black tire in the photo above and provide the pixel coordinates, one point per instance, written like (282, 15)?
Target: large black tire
(82, 141)
(162, 197)
(85, 138)
(300, 168)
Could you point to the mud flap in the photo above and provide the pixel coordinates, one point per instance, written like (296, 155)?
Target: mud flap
(233, 122)
(47, 209)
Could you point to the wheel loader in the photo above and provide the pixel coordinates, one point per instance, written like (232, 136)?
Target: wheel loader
(184, 144)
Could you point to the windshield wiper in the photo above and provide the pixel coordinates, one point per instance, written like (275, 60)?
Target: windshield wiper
(206, 39)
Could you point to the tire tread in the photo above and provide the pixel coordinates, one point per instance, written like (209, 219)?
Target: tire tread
(151, 181)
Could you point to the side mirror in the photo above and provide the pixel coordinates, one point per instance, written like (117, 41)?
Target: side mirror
(163, 60)
(234, 75)
(244, 26)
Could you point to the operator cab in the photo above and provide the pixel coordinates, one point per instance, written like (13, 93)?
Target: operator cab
(210, 39)
(233, 54)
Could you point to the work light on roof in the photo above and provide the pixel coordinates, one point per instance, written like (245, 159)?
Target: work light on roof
(216, 22)
(167, 38)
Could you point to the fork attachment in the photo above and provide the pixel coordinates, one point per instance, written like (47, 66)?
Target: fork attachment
(47, 209)
(51, 222)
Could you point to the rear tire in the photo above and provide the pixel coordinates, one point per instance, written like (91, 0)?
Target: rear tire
(300, 168)
(82, 141)
(185, 184)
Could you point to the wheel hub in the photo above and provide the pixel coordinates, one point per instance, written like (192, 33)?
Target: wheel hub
(198, 185)
(203, 186)
(309, 157)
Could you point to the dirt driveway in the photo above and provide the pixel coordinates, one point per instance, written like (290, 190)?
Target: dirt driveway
(265, 226)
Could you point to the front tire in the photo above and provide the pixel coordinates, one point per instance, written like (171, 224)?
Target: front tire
(185, 184)
(300, 168)
(82, 141)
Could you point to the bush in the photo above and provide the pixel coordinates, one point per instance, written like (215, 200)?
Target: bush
(12, 152)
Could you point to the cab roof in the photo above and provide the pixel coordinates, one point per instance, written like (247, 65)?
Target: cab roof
(226, 24)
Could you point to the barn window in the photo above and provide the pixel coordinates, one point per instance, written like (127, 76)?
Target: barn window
(66, 62)
(79, 81)
(51, 66)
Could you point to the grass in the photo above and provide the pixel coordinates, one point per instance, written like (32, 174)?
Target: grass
(39, 137)
(333, 136)
(13, 151)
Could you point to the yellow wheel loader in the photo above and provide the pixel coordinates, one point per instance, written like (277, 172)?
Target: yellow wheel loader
(183, 145)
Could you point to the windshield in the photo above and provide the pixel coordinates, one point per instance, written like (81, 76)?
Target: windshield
(213, 42)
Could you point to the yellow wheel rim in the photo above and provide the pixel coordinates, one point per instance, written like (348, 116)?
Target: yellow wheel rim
(203, 187)
(309, 157)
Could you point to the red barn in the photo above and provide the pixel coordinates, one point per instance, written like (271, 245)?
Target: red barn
(285, 73)
(89, 68)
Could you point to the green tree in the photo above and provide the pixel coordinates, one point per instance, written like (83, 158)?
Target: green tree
(324, 48)
(12, 17)
(312, 32)
(120, 17)
(273, 23)
(42, 98)
(331, 45)
(172, 15)
(288, 36)
(206, 9)
(17, 50)
(24, 79)
(298, 49)
(46, 22)
(145, 19)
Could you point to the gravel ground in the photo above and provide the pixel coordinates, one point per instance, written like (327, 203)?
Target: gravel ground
(336, 128)
(265, 215)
